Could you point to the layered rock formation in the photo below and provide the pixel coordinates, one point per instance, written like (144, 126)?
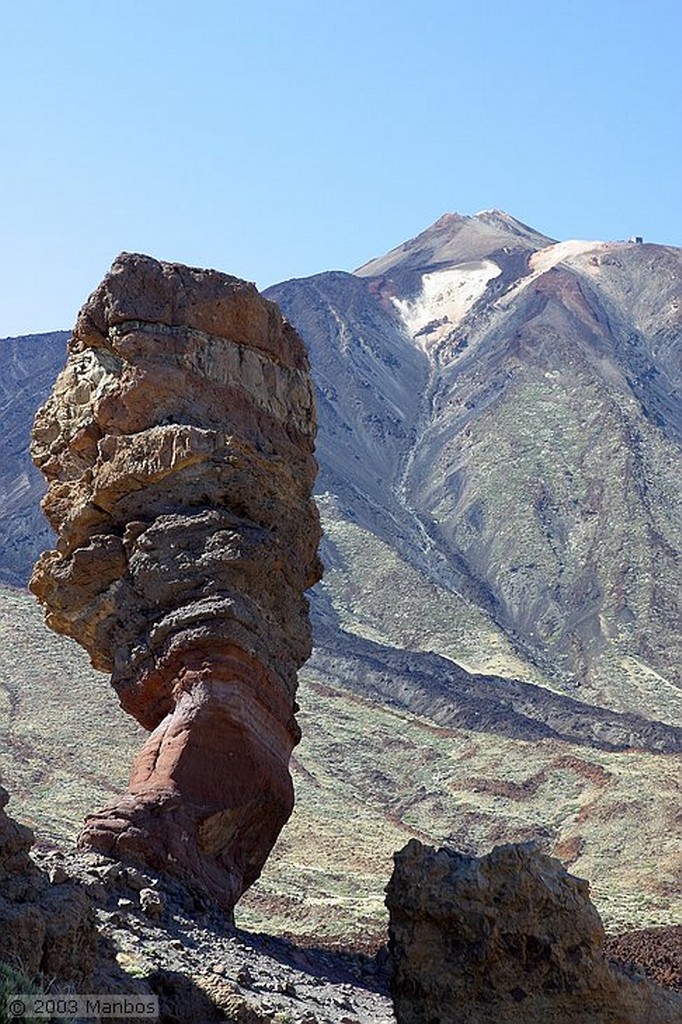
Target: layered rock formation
(44, 929)
(509, 938)
(178, 447)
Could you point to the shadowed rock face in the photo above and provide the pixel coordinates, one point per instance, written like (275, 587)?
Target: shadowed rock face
(178, 448)
(509, 938)
(43, 928)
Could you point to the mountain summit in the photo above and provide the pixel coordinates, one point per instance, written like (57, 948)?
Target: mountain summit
(454, 239)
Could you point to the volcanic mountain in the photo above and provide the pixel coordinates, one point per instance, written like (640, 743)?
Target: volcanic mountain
(502, 412)
(498, 631)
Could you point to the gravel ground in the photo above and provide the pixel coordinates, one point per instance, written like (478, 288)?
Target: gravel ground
(158, 936)
(656, 951)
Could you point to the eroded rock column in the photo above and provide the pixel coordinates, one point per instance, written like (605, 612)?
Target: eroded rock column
(178, 447)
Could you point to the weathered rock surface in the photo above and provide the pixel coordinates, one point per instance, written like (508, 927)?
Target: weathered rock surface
(44, 929)
(509, 938)
(178, 447)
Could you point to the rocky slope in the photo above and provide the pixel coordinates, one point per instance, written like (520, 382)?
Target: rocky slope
(45, 930)
(78, 922)
(499, 487)
(28, 367)
(82, 920)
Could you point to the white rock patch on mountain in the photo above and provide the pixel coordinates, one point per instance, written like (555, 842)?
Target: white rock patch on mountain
(445, 299)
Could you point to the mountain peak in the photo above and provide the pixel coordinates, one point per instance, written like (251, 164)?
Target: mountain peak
(500, 219)
(455, 238)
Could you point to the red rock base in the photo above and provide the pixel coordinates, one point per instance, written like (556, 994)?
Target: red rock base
(210, 790)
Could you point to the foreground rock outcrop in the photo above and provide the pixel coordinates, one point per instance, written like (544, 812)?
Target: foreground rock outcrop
(509, 938)
(44, 929)
(178, 448)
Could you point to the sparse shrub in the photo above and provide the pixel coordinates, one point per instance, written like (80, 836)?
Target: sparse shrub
(14, 982)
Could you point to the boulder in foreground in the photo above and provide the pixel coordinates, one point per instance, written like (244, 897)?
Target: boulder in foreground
(508, 938)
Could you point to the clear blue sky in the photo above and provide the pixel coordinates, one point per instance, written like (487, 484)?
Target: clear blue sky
(279, 139)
